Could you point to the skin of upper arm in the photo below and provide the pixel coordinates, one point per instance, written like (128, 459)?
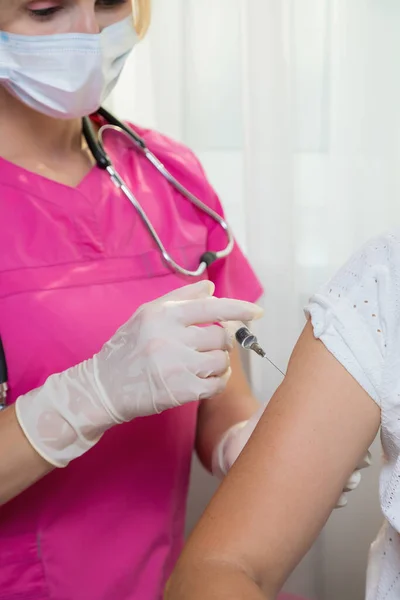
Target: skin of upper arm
(216, 415)
(280, 492)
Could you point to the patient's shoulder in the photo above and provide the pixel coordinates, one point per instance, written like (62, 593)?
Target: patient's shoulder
(357, 313)
(371, 275)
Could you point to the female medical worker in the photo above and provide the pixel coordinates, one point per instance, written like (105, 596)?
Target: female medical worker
(76, 262)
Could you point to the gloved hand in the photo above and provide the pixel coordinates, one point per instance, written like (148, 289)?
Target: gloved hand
(158, 360)
(235, 439)
(354, 480)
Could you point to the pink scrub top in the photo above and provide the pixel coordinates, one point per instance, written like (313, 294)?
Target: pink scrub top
(75, 263)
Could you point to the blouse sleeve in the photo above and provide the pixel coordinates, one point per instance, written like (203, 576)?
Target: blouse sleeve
(356, 313)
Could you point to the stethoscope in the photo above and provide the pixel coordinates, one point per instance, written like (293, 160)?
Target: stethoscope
(103, 161)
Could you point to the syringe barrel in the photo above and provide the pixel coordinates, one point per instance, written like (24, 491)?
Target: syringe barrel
(244, 337)
(241, 332)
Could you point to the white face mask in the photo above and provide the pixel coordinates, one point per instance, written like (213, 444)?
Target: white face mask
(65, 75)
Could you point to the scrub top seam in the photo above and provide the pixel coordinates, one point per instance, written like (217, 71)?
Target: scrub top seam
(100, 259)
(94, 284)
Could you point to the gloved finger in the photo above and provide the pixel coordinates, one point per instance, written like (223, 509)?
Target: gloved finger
(198, 290)
(212, 386)
(184, 388)
(216, 310)
(342, 501)
(353, 481)
(212, 364)
(232, 326)
(208, 338)
(365, 462)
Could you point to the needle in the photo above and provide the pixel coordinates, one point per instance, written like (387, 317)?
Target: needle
(249, 341)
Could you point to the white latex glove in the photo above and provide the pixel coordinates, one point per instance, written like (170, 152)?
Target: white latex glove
(235, 439)
(354, 480)
(158, 360)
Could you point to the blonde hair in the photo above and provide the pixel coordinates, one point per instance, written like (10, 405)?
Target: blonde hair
(141, 15)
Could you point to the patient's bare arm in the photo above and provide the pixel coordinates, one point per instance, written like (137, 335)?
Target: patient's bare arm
(282, 489)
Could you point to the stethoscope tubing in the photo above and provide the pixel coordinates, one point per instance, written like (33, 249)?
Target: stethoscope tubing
(97, 147)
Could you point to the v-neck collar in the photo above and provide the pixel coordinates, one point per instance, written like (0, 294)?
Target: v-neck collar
(18, 176)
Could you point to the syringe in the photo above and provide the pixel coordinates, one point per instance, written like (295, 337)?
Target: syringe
(249, 341)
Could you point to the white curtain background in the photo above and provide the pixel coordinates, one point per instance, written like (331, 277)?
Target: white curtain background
(293, 108)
